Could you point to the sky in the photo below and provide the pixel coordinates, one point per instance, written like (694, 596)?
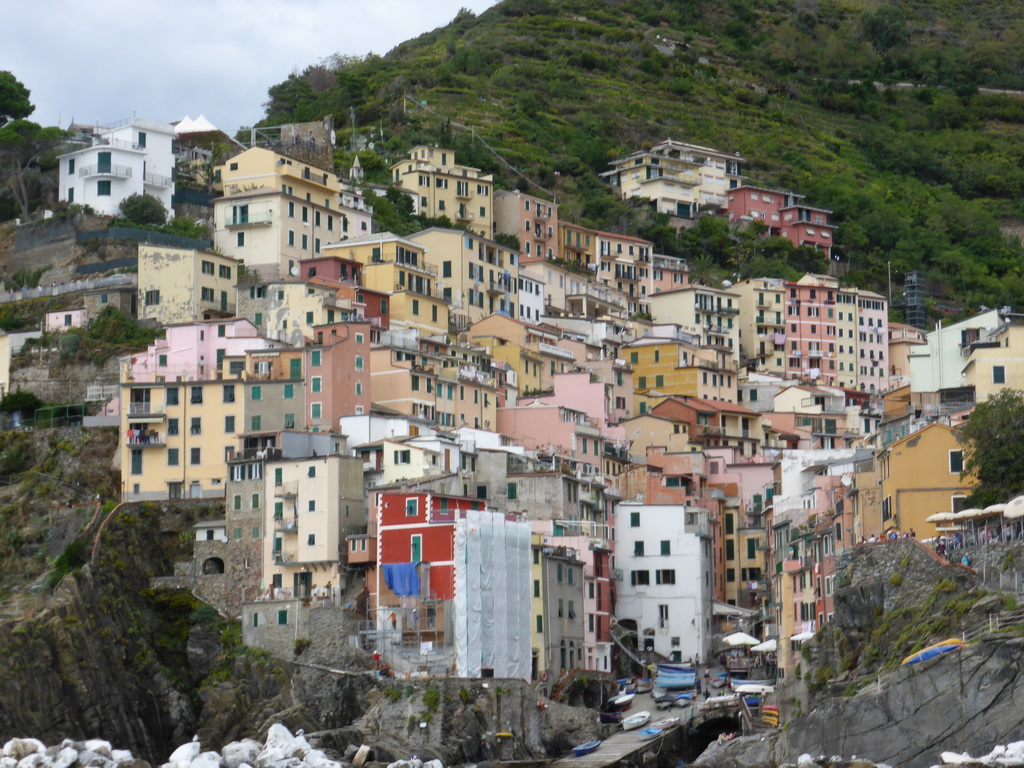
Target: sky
(106, 60)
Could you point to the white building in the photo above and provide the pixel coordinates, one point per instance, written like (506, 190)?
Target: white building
(664, 553)
(531, 298)
(939, 364)
(133, 156)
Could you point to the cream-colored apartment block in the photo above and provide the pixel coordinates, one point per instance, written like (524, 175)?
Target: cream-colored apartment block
(181, 285)
(442, 188)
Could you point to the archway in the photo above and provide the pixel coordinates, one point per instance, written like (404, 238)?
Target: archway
(213, 566)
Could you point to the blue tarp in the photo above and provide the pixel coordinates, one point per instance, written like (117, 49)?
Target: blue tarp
(402, 578)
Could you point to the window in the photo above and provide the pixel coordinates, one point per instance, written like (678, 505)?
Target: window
(403, 457)
(317, 384)
(282, 617)
(665, 576)
(315, 410)
(136, 461)
(255, 423)
(195, 456)
(289, 421)
(956, 462)
(172, 457)
(411, 507)
(240, 239)
(289, 391)
(634, 519)
(152, 298)
(229, 424)
(662, 616)
(998, 374)
(229, 393)
(638, 548)
(255, 501)
(315, 358)
(197, 395)
(196, 427)
(172, 426)
(103, 188)
(666, 547)
(641, 578)
(512, 491)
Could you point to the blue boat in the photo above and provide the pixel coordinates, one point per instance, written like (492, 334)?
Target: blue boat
(586, 749)
(650, 733)
(934, 650)
(670, 682)
(675, 669)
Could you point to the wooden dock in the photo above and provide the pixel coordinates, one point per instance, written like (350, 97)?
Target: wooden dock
(623, 747)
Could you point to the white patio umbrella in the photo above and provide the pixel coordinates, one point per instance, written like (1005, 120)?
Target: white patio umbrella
(740, 638)
(768, 646)
(802, 636)
(941, 517)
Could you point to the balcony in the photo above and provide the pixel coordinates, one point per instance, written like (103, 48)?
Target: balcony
(248, 219)
(286, 524)
(494, 288)
(286, 490)
(123, 171)
(462, 192)
(793, 566)
(463, 215)
(540, 234)
(146, 440)
(156, 180)
(145, 409)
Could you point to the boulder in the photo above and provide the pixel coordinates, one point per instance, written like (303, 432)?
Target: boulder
(21, 748)
(237, 753)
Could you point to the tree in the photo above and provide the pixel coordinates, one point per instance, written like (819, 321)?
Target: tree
(23, 146)
(144, 209)
(885, 28)
(993, 440)
(14, 103)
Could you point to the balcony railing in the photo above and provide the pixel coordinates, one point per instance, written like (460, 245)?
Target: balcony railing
(146, 439)
(145, 409)
(105, 170)
(156, 180)
(263, 217)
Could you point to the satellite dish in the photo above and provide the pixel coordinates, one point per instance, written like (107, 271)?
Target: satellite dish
(727, 283)
(334, 138)
(847, 481)
(295, 271)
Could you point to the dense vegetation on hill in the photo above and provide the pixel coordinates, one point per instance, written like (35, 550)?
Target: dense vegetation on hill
(920, 177)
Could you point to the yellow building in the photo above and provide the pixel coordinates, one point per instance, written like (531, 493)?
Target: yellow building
(762, 328)
(181, 285)
(443, 188)
(311, 504)
(288, 310)
(709, 313)
(539, 621)
(994, 364)
(682, 179)
(530, 350)
(476, 276)
(578, 244)
(664, 366)
(276, 210)
(920, 475)
(397, 265)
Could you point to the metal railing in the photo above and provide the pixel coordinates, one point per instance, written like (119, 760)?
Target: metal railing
(105, 170)
(156, 180)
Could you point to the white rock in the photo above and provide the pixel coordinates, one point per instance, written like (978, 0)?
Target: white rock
(805, 759)
(955, 758)
(121, 755)
(99, 746)
(268, 757)
(206, 760)
(290, 762)
(35, 760)
(278, 737)
(183, 756)
(19, 748)
(433, 764)
(68, 756)
(8, 762)
(238, 753)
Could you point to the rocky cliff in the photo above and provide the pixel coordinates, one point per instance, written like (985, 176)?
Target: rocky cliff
(850, 696)
(967, 700)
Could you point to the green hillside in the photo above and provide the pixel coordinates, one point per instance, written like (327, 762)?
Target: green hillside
(920, 177)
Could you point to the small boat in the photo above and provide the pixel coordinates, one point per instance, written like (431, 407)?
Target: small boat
(754, 688)
(675, 682)
(666, 700)
(683, 700)
(934, 650)
(668, 722)
(613, 716)
(639, 720)
(586, 749)
(674, 668)
(644, 684)
(622, 702)
(650, 733)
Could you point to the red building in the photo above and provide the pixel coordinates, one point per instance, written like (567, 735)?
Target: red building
(783, 214)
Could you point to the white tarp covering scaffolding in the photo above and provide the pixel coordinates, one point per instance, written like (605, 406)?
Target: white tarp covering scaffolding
(492, 596)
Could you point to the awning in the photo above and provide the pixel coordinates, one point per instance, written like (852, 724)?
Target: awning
(1014, 508)
(802, 636)
(145, 419)
(724, 609)
(768, 646)
(740, 638)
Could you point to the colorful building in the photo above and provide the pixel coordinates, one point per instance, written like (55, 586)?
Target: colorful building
(440, 187)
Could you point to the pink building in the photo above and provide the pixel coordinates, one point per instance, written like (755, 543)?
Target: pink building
(338, 374)
(196, 351)
(532, 219)
(783, 214)
(811, 339)
(605, 402)
(667, 273)
(556, 429)
(65, 319)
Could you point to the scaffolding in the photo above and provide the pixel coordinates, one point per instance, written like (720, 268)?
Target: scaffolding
(914, 289)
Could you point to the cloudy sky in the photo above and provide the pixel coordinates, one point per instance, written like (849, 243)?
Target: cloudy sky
(104, 60)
